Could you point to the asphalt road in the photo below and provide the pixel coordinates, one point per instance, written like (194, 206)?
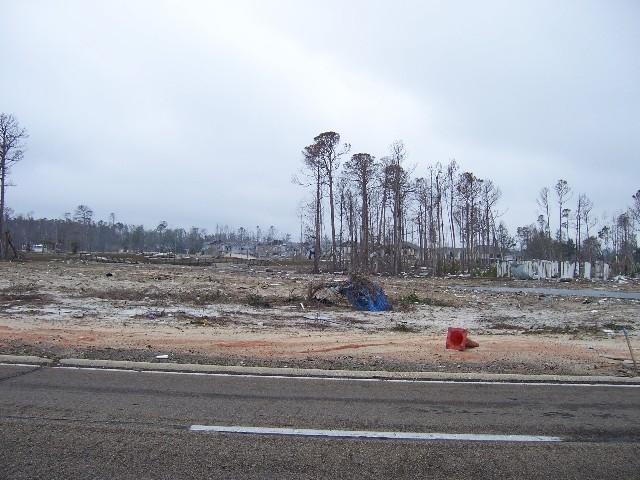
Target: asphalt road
(77, 423)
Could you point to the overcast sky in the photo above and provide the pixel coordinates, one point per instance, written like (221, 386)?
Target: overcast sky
(196, 112)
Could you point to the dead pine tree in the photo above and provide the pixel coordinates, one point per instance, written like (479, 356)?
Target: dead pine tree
(398, 182)
(312, 175)
(452, 169)
(12, 138)
(361, 169)
(468, 192)
(562, 192)
(635, 209)
(543, 204)
(330, 151)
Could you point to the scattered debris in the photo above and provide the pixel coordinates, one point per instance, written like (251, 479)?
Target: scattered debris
(204, 309)
(620, 279)
(327, 293)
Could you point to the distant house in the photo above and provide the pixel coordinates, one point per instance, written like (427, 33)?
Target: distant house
(410, 250)
(217, 248)
(487, 252)
(38, 248)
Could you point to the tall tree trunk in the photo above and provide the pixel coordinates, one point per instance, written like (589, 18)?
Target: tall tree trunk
(333, 222)
(316, 253)
(365, 227)
(397, 227)
(3, 174)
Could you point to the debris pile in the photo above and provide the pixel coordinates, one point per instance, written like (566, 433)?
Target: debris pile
(360, 292)
(365, 295)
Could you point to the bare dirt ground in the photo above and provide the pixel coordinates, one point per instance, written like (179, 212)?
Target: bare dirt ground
(235, 314)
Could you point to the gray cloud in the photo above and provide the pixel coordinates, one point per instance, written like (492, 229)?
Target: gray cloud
(195, 112)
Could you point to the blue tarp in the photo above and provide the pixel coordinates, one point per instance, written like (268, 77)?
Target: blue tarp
(365, 295)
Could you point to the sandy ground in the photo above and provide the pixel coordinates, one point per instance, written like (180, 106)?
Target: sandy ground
(233, 314)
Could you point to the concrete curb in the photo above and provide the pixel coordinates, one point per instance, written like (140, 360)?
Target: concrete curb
(346, 374)
(28, 360)
(316, 372)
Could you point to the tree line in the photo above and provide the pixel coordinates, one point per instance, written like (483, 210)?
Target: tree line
(363, 214)
(369, 214)
(376, 214)
(578, 234)
(79, 232)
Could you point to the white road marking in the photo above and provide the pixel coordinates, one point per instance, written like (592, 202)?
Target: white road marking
(342, 379)
(309, 432)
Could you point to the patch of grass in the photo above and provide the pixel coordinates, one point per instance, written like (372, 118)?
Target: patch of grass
(438, 302)
(505, 326)
(403, 328)
(566, 330)
(19, 294)
(408, 301)
(151, 314)
(255, 300)
(486, 272)
(411, 298)
(201, 297)
(616, 327)
(208, 321)
(294, 298)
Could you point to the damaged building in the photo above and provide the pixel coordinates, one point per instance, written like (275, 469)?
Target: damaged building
(547, 269)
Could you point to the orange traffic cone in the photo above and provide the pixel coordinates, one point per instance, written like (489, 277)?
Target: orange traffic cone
(457, 339)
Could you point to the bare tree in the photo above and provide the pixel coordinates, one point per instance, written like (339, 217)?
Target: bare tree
(330, 152)
(438, 191)
(12, 138)
(313, 171)
(83, 215)
(562, 191)
(468, 192)
(583, 217)
(505, 241)
(452, 168)
(490, 196)
(636, 206)
(578, 218)
(422, 197)
(362, 169)
(566, 213)
(543, 203)
(589, 223)
(398, 183)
